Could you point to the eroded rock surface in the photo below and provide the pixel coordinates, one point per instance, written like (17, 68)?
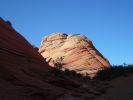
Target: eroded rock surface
(24, 75)
(78, 52)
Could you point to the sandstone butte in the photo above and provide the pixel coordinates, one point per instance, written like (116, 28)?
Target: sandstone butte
(79, 54)
(25, 75)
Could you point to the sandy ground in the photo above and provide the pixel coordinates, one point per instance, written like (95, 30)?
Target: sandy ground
(121, 89)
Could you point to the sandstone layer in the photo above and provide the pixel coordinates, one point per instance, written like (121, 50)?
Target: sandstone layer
(25, 75)
(79, 54)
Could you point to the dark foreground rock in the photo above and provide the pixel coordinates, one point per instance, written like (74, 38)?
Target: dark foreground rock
(24, 74)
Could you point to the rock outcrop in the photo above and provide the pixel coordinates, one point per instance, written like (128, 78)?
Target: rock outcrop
(78, 52)
(24, 75)
(19, 65)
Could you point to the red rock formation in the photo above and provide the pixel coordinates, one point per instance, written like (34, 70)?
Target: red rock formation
(24, 75)
(19, 63)
(78, 52)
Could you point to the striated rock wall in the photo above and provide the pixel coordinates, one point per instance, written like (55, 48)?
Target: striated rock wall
(24, 75)
(78, 52)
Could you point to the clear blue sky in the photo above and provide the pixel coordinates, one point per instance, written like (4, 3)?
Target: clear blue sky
(108, 23)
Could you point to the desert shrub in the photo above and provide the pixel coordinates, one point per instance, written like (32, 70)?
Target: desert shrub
(75, 75)
(114, 72)
(57, 70)
(70, 72)
(58, 63)
(9, 23)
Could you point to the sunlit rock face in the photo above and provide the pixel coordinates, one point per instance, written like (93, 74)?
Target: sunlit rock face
(78, 52)
(25, 75)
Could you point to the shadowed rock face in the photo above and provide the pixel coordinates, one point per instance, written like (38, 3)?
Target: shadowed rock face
(78, 52)
(19, 63)
(24, 75)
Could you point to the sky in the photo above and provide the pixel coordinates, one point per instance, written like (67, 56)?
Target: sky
(107, 23)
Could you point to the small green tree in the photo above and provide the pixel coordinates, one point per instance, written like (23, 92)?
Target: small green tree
(58, 63)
